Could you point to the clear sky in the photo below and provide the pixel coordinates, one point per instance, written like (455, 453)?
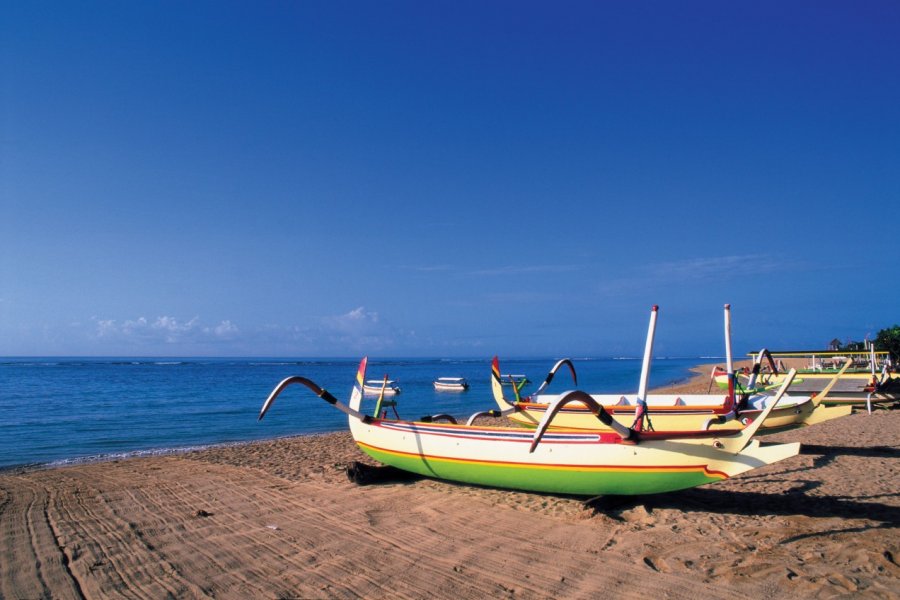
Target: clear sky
(446, 178)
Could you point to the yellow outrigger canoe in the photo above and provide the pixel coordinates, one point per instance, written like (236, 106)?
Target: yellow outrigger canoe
(668, 412)
(863, 382)
(620, 462)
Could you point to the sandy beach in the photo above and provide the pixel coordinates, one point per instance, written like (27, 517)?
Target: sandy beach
(280, 519)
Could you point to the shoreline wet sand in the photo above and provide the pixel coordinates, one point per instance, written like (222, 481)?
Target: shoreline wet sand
(280, 519)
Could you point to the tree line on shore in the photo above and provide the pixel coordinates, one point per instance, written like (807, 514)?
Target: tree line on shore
(887, 339)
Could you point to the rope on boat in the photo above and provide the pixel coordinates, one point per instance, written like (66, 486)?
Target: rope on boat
(642, 416)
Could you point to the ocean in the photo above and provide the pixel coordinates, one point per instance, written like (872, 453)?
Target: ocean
(60, 411)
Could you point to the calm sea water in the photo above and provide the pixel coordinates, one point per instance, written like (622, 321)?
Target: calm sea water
(60, 410)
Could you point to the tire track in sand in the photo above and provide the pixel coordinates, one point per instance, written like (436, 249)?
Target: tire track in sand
(139, 524)
(107, 553)
(31, 561)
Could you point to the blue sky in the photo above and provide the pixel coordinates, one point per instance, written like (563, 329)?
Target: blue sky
(449, 179)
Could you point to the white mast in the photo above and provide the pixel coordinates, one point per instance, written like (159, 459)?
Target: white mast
(729, 363)
(648, 355)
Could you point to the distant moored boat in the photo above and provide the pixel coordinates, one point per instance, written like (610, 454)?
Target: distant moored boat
(517, 379)
(374, 386)
(456, 384)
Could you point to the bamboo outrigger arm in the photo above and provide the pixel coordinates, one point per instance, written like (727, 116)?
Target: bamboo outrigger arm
(439, 417)
(757, 367)
(552, 373)
(717, 420)
(485, 413)
(508, 406)
(318, 391)
(736, 443)
(626, 433)
(818, 398)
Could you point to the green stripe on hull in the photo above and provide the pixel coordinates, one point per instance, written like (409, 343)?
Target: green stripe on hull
(561, 480)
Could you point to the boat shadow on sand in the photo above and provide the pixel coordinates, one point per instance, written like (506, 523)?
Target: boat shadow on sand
(792, 502)
(795, 501)
(365, 474)
(835, 451)
(825, 455)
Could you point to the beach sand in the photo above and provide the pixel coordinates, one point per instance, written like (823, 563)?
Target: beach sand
(280, 519)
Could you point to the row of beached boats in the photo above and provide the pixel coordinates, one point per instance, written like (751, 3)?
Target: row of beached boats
(589, 444)
(866, 376)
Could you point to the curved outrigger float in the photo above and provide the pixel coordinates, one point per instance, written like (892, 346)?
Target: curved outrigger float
(622, 461)
(668, 412)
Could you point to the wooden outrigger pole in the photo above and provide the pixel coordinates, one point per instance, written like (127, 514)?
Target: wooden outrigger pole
(818, 398)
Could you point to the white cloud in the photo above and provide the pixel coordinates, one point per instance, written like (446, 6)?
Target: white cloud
(697, 270)
(507, 270)
(720, 266)
(526, 270)
(164, 329)
(358, 329)
(427, 268)
(225, 329)
(357, 321)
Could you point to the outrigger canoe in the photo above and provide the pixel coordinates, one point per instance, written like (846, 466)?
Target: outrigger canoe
(452, 384)
(671, 412)
(856, 386)
(620, 462)
(666, 412)
(386, 386)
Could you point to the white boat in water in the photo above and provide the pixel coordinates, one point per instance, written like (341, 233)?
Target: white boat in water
(374, 386)
(517, 379)
(456, 384)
